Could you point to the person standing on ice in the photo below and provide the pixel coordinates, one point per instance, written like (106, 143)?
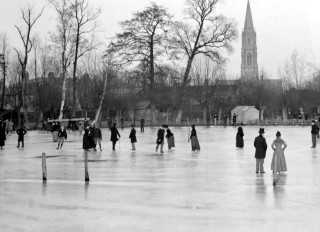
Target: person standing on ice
(195, 146)
(133, 137)
(261, 148)
(62, 135)
(278, 164)
(314, 132)
(239, 138)
(114, 136)
(160, 139)
(21, 132)
(170, 138)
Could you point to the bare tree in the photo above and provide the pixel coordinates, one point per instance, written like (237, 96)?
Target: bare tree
(207, 34)
(63, 38)
(85, 27)
(29, 19)
(143, 40)
(205, 75)
(4, 60)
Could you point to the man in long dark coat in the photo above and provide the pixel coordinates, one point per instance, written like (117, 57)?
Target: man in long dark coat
(261, 148)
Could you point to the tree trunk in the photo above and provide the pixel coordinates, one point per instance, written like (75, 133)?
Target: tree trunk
(63, 100)
(219, 115)
(179, 116)
(24, 100)
(284, 113)
(102, 97)
(204, 114)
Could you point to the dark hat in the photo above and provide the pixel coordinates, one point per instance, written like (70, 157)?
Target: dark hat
(313, 121)
(132, 125)
(193, 125)
(114, 124)
(261, 131)
(278, 134)
(240, 129)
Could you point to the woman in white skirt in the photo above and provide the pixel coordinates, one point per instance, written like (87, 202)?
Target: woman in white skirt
(278, 164)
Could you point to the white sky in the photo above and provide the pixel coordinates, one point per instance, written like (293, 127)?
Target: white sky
(282, 26)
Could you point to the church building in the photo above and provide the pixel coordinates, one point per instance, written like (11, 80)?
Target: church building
(249, 55)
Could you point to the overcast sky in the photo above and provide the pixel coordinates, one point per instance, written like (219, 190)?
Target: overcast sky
(282, 26)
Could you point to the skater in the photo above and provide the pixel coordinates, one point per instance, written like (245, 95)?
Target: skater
(55, 130)
(160, 139)
(2, 134)
(142, 125)
(86, 141)
(170, 138)
(133, 137)
(97, 137)
(21, 132)
(194, 139)
(114, 136)
(91, 137)
(234, 119)
(278, 164)
(261, 148)
(239, 139)
(62, 135)
(314, 132)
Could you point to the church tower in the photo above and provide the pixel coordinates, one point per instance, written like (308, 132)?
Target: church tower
(249, 56)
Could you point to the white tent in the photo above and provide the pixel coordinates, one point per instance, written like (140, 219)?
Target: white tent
(245, 114)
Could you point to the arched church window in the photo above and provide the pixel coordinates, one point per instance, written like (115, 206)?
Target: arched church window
(249, 59)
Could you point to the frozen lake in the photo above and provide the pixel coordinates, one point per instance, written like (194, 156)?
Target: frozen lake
(215, 189)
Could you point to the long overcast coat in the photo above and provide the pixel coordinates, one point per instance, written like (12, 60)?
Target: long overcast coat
(261, 147)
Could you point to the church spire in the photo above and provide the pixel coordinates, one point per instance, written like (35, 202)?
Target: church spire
(249, 22)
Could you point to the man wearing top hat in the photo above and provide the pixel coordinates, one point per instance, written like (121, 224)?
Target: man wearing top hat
(261, 148)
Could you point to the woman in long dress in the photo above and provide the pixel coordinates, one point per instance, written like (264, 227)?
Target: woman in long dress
(86, 140)
(170, 138)
(194, 139)
(240, 134)
(278, 164)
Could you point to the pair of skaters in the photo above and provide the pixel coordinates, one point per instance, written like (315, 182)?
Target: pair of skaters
(278, 164)
(160, 138)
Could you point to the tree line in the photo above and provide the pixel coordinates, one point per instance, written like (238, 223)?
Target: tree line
(153, 57)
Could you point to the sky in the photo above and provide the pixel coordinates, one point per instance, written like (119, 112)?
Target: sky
(282, 26)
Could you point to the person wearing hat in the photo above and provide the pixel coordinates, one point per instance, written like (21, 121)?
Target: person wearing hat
(314, 132)
(195, 146)
(133, 137)
(114, 135)
(239, 138)
(261, 148)
(278, 164)
(160, 138)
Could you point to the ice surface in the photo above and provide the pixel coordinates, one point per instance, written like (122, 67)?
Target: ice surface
(215, 189)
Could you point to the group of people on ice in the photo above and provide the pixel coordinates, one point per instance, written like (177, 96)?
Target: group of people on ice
(6, 127)
(278, 164)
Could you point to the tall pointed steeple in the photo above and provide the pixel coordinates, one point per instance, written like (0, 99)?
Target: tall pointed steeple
(249, 53)
(249, 22)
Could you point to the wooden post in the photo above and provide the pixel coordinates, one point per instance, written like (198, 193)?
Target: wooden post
(215, 121)
(44, 167)
(86, 175)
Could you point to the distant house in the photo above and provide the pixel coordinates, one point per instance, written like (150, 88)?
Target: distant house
(245, 114)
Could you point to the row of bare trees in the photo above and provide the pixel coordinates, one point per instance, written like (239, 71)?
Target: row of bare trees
(161, 57)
